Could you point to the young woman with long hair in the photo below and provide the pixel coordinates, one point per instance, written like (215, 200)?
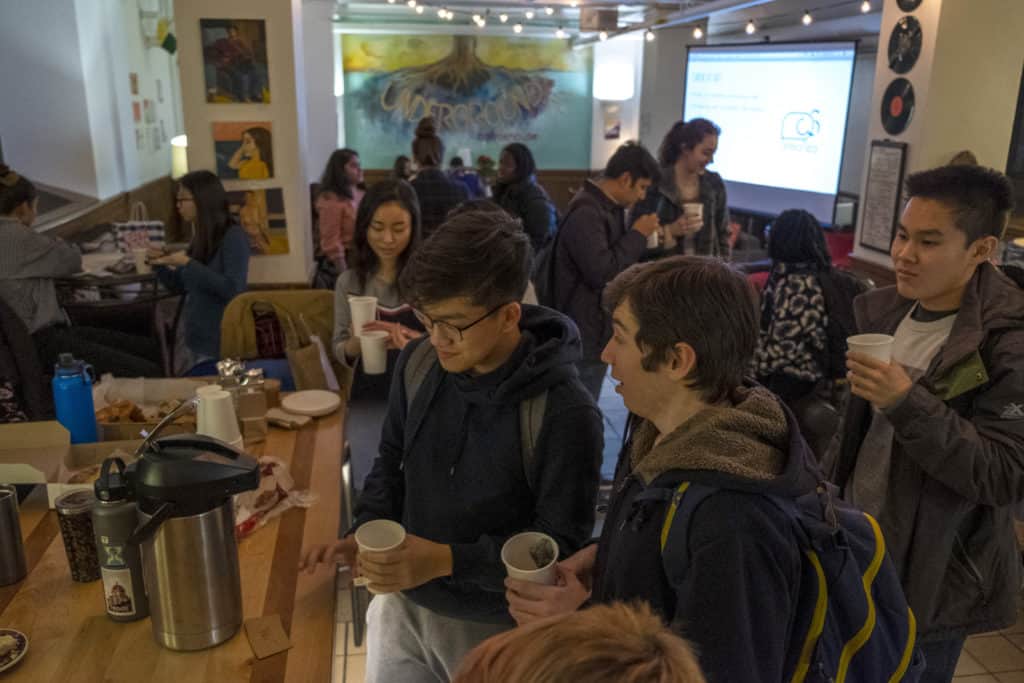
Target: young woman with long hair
(336, 205)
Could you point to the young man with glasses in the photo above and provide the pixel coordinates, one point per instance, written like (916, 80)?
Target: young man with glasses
(453, 466)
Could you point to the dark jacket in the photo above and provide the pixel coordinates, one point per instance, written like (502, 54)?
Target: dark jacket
(664, 200)
(451, 468)
(438, 194)
(21, 371)
(957, 460)
(739, 600)
(208, 288)
(528, 201)
(594, 245)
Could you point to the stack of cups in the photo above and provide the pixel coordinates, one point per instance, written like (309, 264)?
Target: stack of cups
(373, 344)
(216, 416)
(378, 536)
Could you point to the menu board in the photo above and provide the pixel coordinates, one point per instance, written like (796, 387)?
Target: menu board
(882, 195)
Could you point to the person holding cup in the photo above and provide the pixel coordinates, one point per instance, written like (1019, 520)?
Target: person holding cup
(689, 200)
(366, 297)
(452, 468)
(932, 442)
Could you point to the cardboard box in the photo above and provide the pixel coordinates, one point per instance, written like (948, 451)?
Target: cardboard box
(42, 453)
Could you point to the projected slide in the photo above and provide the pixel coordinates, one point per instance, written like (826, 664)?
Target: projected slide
(782, 109)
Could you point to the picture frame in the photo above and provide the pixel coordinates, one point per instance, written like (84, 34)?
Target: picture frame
(881, 203)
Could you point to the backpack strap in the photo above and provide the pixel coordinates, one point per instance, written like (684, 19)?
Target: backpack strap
(531, 411)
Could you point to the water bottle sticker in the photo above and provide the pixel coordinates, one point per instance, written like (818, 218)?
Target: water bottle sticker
(114, 553)
(117, 589)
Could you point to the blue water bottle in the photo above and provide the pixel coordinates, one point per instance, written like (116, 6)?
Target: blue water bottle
(72, 396)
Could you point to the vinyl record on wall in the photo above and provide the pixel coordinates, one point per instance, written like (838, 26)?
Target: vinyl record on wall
(908, 5)
(905, 45)
(897, 106)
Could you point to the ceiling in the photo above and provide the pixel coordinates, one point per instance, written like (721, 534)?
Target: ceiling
(722, 19)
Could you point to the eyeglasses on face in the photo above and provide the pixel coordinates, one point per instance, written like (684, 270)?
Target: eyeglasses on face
(449, 331)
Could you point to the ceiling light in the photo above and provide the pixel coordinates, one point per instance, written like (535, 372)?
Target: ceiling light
(865, 6)
(602, 35)
(518, 28)
(560, 33)
(419, 9)
(750, 28)
(529, 14)
(335, 17)
(503, 18)
(549, 11)
(698, 33)
(411, 3)
(807, 18)
(649, 35)
(476, 18)
(442, 13)
(574, 4)
(391, 2)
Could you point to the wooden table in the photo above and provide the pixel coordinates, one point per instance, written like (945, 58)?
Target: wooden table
(71, 638)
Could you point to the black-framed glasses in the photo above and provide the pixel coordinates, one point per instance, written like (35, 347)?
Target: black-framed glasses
(449, 331)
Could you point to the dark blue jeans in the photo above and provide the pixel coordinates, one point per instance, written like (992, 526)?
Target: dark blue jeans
(940, 659)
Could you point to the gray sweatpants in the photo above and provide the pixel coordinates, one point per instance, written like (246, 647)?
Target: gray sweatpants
(406, 643)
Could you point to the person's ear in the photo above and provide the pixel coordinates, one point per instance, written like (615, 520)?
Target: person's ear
(681, 362)
(510, 317)
(984, 249)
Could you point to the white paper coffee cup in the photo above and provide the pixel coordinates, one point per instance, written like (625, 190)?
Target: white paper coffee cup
(694, 210)
(139, 256)
(654, 239)
(364, 310)
(519, 560)
(877, 346)
(216, 417)
(373, 346)
(377, 536)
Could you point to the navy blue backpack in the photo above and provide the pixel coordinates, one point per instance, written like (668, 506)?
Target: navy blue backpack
(854, 624)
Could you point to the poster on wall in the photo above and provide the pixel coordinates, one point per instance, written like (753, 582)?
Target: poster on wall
(244, 150)
(483, 92)
(235, 60)
(260, 212)
(882, 196)
(612, 120)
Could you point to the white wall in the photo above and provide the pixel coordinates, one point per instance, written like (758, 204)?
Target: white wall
(72, 124)
(965, 84)
(623, 50)
(287, 111)
(43, 123)
(321, 106)
(858, 120)
(664, 80)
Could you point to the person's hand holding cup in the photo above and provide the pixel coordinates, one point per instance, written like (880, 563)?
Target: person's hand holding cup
(646, 224)
(872, 374)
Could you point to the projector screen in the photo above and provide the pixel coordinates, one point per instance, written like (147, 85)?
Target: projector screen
(782, 110)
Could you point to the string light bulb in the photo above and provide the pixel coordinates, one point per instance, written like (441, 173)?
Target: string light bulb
(603, 36)
(529, 14)
(807, 18)
(649, 35)
(411, 4)
(560, 33)
(419, 9)
(549, 11)
(503, 18)
(697, 32)
(391, 2)
(865, 6)
(476, 18)
(518, 28)
(750, 28)
(442, 13)
(574, 4)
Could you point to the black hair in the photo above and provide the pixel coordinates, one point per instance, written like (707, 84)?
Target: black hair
(213, 216)
(427, 148)
(15, 190)
(399, 170)
(480, 255)
(364, 260)
(635, 160)
(456, 162)
(981, 198)
(696, 300)
(525, 165)
(334, 178)
(484, 205)
(684, 135)
(797, 237)
(261, 136)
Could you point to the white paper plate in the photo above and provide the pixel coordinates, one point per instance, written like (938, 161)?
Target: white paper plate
(11, 659)
(315, 402)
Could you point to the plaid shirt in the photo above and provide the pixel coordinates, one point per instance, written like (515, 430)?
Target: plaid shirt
(438, 195)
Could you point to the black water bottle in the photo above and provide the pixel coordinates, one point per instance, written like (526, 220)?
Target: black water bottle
(114, 518)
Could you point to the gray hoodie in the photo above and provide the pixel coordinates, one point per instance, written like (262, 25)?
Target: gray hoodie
(28, 264)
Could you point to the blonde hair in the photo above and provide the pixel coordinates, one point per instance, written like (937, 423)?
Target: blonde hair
(614, 643)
